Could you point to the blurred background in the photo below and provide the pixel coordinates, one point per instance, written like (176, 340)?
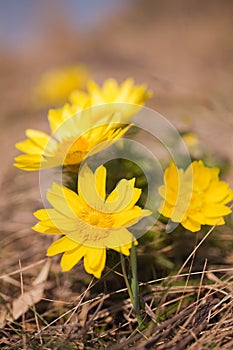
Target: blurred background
(183, 51)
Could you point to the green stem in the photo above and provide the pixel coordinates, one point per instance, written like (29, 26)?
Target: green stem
(126, 278)
(134, 280)
(134, 284)
(133, 289)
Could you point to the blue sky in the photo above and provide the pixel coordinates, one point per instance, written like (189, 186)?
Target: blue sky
(21, 19)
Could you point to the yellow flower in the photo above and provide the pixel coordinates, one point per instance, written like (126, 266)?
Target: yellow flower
(124, 99)
(72, 139)
(56, 85)
(194, 197)
(112, 92)
(80, 126)
(90, 221)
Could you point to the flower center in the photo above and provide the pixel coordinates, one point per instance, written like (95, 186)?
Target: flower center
(94, 219)
(100, 225)
(97, 218)
(77, 151)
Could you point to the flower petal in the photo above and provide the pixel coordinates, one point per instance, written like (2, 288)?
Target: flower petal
(72, 257)
(129, 217)
(94, 261)
(64, 200)
(55, 118)
(61, 245)
(100, 181)
(216, 210)
(40, 138)
(87, 188)
(191, 225)
(214, 221)
(29, 162)
(28, 146)
(218, 191)
(118, 237)
(121, 197)
(46, 226)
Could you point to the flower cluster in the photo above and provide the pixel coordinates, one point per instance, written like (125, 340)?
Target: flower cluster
(92, 219)
(89, 220)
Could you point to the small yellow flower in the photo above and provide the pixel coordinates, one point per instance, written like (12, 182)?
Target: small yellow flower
(191, 139)
(90, 221)
(56, 85)
(194, 197)
(193, 144)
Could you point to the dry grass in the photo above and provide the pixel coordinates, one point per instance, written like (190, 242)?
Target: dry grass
(191, 309)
